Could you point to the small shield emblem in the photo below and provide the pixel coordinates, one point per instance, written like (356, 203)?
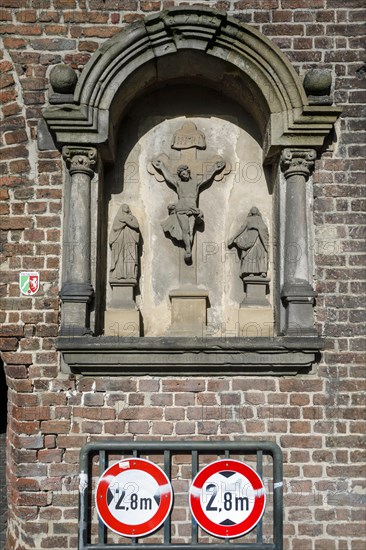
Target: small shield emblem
(29, 282)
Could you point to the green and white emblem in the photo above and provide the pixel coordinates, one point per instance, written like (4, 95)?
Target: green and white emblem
(29, 282)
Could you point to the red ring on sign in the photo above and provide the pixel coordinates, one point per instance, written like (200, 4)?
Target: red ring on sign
(227, 531)
(154, 522)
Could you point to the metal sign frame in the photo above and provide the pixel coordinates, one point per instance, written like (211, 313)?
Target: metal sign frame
(167, 449)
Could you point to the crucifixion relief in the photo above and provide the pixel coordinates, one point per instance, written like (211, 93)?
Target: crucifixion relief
(187, 176)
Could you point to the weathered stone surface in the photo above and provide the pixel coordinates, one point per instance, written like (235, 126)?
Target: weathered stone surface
(189, 312)
(162, 267)
(297, 291)
(77, 291)
(229, 46)
(124, 240)
(123, 323)
(187, 176)
(318, 82)
(63, 79)
(195, 356)
(256, 322)
(45, 140)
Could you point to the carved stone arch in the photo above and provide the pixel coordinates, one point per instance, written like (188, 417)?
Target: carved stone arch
(205, 47)
(138, 58)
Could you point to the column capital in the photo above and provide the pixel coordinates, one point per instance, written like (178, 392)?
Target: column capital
(296, 162)
(80, 160)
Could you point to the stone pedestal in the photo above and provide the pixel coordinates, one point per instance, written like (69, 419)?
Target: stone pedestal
(122, 296)
(122, 322)
(255, 317)
(299, 300)
(255, 322)
(255, 288)
(189, 311)
(123, 317)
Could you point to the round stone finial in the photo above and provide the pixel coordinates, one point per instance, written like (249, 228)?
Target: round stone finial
(63, 79)
(318, 82)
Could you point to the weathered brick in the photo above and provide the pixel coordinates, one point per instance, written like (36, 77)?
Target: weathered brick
(28, 470)
(32, 499)
(256, 4)
(16, 361)
(55, 426)
(8, 344)
(317, 418)
(50, 455)
(14, 43)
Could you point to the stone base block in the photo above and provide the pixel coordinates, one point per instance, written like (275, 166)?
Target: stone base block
(299, 301)
(256, 322)
(122, 294)
(122, 322)
(189, 312)
(256, 288)
(74, 319)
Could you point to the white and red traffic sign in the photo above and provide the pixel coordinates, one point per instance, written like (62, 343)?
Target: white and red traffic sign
(227, 498)
(134, 497)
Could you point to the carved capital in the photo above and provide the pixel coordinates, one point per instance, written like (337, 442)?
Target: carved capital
(80, 159)
(297, 162)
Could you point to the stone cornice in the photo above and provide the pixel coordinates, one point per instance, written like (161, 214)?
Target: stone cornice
(194, 356)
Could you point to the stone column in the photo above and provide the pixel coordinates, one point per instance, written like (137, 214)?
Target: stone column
(77, 291)
(297, 291)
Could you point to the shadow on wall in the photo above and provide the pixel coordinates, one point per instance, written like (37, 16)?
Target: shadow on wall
(3, 399)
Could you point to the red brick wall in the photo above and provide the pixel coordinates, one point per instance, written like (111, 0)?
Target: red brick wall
(316, 418)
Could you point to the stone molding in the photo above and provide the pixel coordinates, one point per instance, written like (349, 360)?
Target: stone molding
(189, 356)
(144, 46)
(77, 292)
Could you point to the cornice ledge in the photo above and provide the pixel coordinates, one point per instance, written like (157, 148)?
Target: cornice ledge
(102, 355)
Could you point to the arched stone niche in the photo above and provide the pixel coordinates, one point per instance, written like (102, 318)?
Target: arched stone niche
(139, 90)
(226, 130)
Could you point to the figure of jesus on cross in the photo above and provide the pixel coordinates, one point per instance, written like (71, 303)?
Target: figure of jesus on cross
(184, 215)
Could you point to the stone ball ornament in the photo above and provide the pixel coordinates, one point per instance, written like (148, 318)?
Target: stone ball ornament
(318, 82)
(63, 79)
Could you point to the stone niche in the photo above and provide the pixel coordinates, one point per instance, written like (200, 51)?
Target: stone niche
(203, 297)
(190, 145)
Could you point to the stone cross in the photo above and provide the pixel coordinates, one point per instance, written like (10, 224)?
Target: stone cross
(187, 176)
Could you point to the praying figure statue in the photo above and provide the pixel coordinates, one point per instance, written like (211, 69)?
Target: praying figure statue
(252, 242)
(184, 215)
(124, 240)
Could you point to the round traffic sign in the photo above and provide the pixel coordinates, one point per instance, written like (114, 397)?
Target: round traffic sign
(227, 498)
(134, 497)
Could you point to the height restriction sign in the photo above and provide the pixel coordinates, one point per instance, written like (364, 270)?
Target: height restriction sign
(227, 498)
(133, 497)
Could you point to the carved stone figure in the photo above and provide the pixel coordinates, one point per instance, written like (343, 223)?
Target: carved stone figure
(187, 176)
(184, 215)
(252, 241)
(123, 240)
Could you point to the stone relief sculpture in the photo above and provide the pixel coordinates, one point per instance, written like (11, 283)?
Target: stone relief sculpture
(124, 240)
(184, 215)
(252, 243)
(187, 177)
